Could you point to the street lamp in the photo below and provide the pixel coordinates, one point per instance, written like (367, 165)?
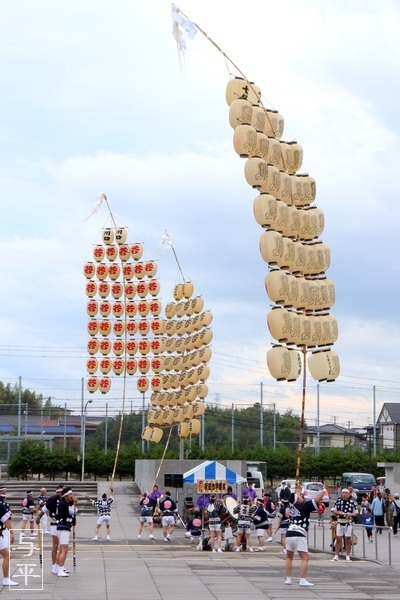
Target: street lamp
(83, 435)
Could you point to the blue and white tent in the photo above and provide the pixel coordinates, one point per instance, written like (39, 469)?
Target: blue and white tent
(211, 469)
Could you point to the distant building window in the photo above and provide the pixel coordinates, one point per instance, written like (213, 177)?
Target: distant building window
(311, 441)
(326, 441)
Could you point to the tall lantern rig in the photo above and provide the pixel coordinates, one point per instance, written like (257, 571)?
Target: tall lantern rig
(301, 294)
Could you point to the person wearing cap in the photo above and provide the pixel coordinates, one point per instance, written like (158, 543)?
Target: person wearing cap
(6, 538)
(168, 510)
(66, 518)
(213, 511)
(396, 513)
(296, 535)
(103, 507)
(28, 510)
(50, 509)
(271, 511)
(147, 505)
(261, 523)
(245, 513)
(346, 509)
(41, 501)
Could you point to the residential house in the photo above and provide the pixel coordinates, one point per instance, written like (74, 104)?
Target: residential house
(332, 436)
(389, 425)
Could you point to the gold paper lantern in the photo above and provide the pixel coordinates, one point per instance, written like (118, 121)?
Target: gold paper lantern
(324, 365)
(279, 324)
(194, 427)
(274, 124)
(170, 310)
(271, 247)
(202, 391)
(285, 188)
(240, 113)
(239, 88)
(206, 318)
(284, 364)
(146, 433)
(203, 372)
(156, 435)
(178, 292)
(265, 210)
(245, 141)
(197, 304)
(188, 289)
(256, 173)
(183, 430)
(198, 408)
(188, 412)
(168, 416)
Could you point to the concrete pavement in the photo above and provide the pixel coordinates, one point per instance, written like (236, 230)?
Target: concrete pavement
(144, 569)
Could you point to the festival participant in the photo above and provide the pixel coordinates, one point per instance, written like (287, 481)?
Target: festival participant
(229, 493)
(245, 514)
(249, 492)
(194, 526)
(147, 506)
(261, 523)
(65, 518)
(5, 540)
(41, 501)
(345, 508)
(270, 508)
(296, 535)
(283, 520)
(396, 513)
(156, 494)
(50, 509)
(168, 510)
(103, 507)
(214, 510)
(28, 510)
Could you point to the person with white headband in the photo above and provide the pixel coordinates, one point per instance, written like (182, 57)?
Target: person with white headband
(65, 518)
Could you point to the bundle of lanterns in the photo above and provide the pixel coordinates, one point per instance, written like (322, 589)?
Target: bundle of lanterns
(129, 338)
(298, 259)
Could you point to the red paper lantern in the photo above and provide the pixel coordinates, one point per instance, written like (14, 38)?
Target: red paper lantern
(143, 327)
(142, 384)
(130, 309)
(157, 364)
(93, 327)
(91, 289)
(117, 290)
(92, 365)
(118, 347)
(104, 385)
(105, 365)
(157, 345)
(131, 347)
(99, 253)
(92, 308)
(92, 385)
(136, 251)
(139, 270)
(105, 347)
(101, 271)
(89, 270)
(105, 309)
(111, 253)
(118, 366)
(144, 346)
(118, 328)
(155, 307)
(105, 327)
(114, 272)
(128, 271)
(130, 366)
(142, 289)
(131, 327)
(157, 326)
(93, 346)
(143, 308)
(118, 309)
(104, 289)
(150, 269)
(130, 290)
(143, 365)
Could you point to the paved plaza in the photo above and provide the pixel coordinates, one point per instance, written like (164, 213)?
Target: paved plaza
(126, 567)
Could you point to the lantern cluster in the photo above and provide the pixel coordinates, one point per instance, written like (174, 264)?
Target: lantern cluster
(122, 309)
(179, 386)
(290, 242)
(129, 337)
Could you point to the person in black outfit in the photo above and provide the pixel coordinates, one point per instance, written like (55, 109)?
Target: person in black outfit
(50, 509)
(66, 511)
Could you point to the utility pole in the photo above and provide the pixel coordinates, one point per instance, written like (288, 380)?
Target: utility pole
(233, 427)
(318, 424)
(261, 416)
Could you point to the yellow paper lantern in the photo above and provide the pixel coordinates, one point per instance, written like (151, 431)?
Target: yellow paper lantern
(183, 430)
(284, 364)
(188, 289)
(146, 433)
(187, 412)
(203, 372)
(245, 141)
(194, 427)
(198, 408)
(239, 88)
(202, 391)
(178, 292)
(197, 304)
(240, 113)
(265, 210)
(274, 124)
(156, 435)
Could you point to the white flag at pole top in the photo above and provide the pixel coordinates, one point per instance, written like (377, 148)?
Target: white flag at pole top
(182, 29)
(165, 241)
(96, 207)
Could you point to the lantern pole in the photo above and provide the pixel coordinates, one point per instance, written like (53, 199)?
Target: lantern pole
(261, 415)
(106, 430)
(303, 407)
(19, 407)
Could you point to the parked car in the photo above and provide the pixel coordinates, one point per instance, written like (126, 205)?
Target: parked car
(360, 482)
(311, 489)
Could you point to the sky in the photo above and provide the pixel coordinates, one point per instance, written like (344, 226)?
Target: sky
(94, 101)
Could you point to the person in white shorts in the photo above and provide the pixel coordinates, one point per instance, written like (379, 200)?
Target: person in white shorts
(147, 506)
(5, 525)
(345, 508)
(296, 535)
(103, 506)
(168, 510)
(214, 510)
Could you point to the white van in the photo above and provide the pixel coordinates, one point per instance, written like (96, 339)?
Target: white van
(256, 478)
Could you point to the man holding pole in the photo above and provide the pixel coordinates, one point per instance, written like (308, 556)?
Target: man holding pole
(66, 519)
